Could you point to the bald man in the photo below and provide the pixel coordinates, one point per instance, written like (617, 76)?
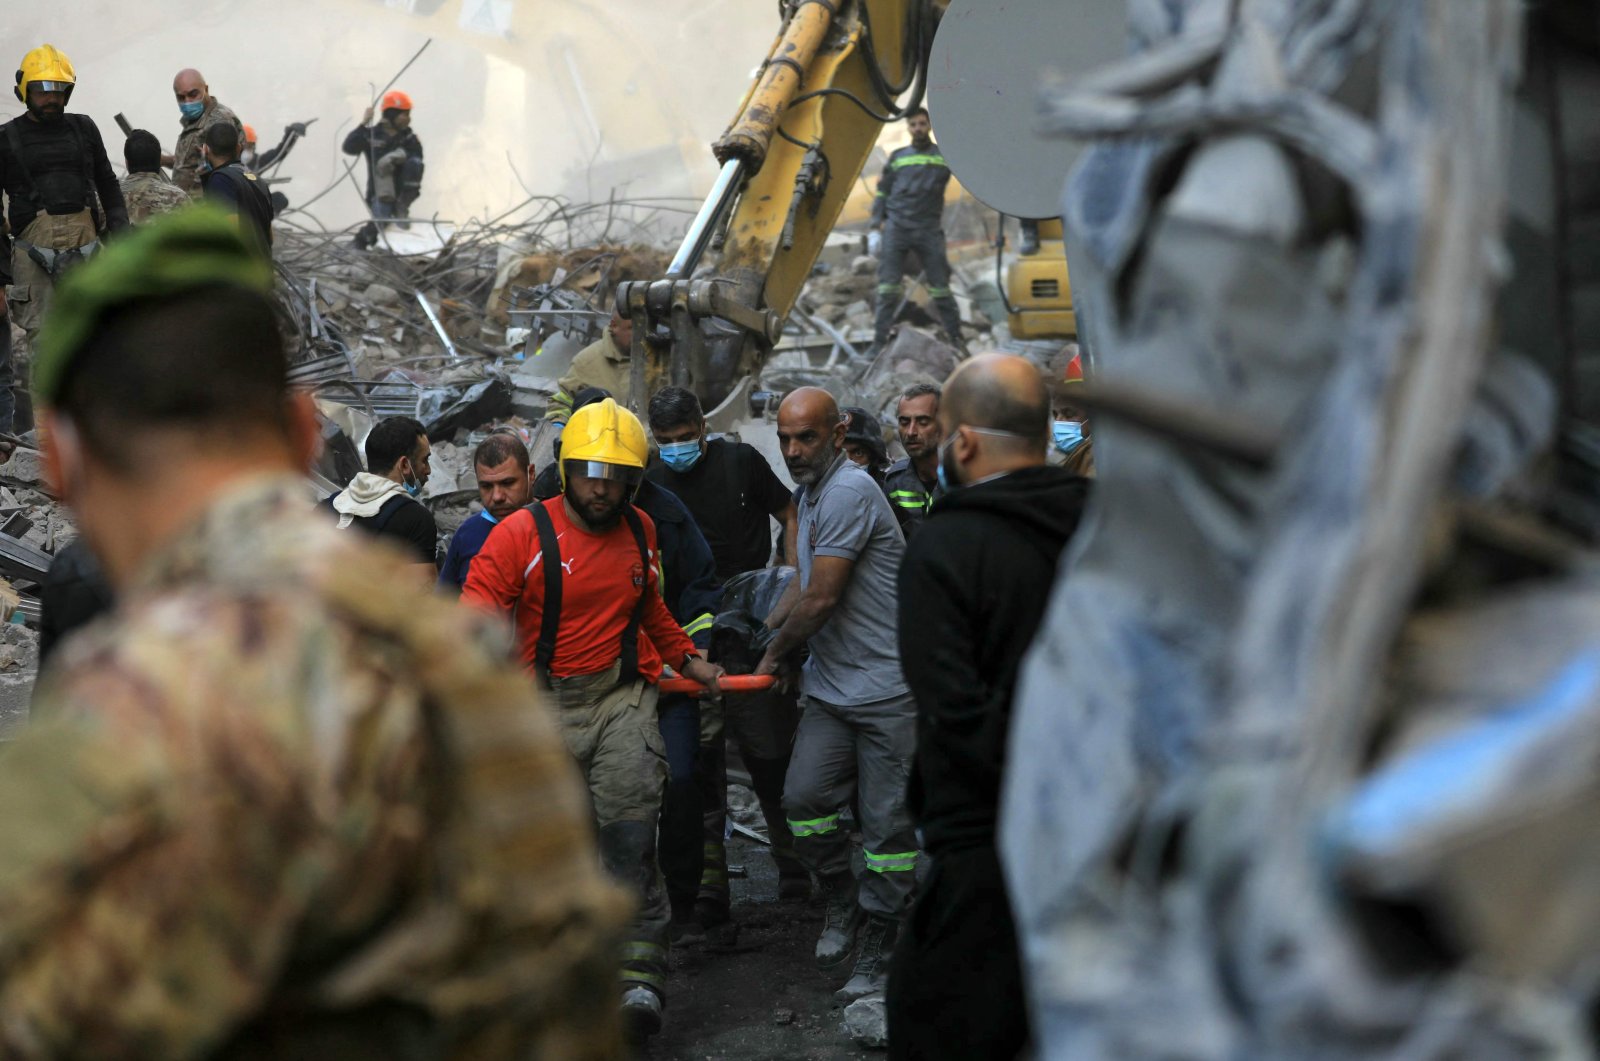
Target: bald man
(200, 111)
(973, 591)
(857, 729)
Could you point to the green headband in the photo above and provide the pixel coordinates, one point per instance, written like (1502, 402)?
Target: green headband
(197, 247)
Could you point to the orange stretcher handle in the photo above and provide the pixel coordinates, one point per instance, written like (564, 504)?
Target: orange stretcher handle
(731, 683)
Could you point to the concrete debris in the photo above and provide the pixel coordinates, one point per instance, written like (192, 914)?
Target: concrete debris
(19, 661)
(866, 1021)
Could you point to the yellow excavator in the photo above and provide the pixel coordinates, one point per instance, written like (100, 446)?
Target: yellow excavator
(838, 70)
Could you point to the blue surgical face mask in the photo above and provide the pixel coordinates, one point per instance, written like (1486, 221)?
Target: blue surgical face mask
(1068, 435)
(681, 456)
(191, 111)
(413, 485)
(947, 469)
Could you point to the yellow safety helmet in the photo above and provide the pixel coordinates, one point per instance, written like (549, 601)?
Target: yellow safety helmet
(46, 67)
(604, 441)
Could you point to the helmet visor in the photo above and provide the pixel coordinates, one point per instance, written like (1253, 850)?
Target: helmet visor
(602, 470)
(49, 86)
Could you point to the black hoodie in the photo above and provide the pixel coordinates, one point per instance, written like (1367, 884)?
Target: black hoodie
(973, 589)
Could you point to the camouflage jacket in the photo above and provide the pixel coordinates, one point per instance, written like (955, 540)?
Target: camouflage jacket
(282, 803)
(186, 157)
(150, 194)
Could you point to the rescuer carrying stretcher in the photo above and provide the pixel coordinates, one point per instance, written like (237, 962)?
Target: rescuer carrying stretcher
(578, 574)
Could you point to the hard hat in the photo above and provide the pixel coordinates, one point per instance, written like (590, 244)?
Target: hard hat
(864, 429)
(249, 134)
(395, 101)
(604, 441)
(47, 68)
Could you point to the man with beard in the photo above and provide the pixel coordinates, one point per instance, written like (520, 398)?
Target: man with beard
(971, 601)
(505, 484)
(578, 575)
(913, 482)
(53, 165)
(858, 726)
(200, 110)
(909, 210)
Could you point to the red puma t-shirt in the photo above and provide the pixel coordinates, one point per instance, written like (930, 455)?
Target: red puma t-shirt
(601, 579)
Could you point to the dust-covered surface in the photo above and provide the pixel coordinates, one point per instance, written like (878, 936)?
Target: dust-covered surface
(764, 999)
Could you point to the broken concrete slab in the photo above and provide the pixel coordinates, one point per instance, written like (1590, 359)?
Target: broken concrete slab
(866, 1021)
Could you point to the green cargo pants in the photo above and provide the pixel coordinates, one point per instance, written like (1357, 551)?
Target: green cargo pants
(610, 728)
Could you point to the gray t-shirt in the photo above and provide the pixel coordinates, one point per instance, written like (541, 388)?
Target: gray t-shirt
(855, 657)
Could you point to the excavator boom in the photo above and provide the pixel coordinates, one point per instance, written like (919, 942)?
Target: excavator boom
(837, 72)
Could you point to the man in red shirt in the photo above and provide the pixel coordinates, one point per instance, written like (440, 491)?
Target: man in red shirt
(578, 574)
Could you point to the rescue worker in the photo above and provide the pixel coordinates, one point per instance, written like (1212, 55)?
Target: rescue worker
(909, 211)
(232, 186)
(505, 484)
(690, 589)
(248, 796)
(692, 594)
(578, 574)
(863, 442)
(606, 363)
(200, 110)
(912, 483)
(61, 197)
(145, 190)
(394, 164)
(383, 500)
(735, 499)
(858, 722)
(972, 595)
(261, 161)
(1071, 446)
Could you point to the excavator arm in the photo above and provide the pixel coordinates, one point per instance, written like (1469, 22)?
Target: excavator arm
(836, 73)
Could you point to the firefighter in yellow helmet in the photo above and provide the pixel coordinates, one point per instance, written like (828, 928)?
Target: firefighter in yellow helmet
(578, 576)
(61, 197)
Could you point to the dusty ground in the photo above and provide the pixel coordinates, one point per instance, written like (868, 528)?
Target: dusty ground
(764, 1000)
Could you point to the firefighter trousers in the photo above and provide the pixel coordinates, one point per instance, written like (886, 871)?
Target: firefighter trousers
(928, 244)
(610, 728)
(860, 750)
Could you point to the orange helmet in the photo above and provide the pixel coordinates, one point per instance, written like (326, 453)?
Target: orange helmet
(249, 134)
(396, 101)
(1074, 373)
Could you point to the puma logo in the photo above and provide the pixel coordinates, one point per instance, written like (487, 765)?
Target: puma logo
(566, 565)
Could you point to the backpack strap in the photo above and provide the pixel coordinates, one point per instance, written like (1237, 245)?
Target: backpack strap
(29, 190)
(550, 616)
(390, 509)
(91, 193)
(630, 635)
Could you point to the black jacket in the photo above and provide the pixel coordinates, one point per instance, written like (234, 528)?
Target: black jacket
(689, 583)
(911, 190)
(241, 192)
(375, 141)
(63, 169)
(973, 589)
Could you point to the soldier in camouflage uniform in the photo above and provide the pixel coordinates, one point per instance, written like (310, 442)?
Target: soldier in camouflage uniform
(201, 110)
(145, 189)
(280, 803)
